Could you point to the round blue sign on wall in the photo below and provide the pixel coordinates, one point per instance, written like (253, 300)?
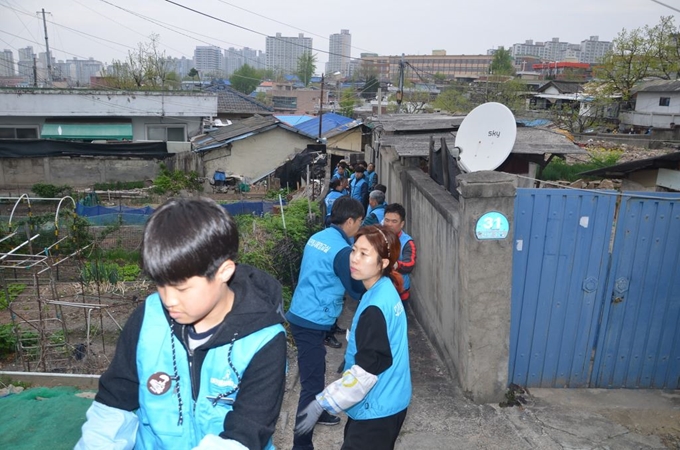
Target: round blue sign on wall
(492, 225)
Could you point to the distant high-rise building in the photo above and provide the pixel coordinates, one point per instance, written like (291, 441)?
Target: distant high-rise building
(340, 51)
(209, 60)
(282, 52)
(588, 51)
(593, 50)
(181, 66)
(80, 70)
(7, 63)
(25, 64)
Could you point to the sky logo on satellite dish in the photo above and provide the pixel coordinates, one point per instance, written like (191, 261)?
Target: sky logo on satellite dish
(486, 137)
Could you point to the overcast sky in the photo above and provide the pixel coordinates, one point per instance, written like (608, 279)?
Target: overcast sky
(104, 30)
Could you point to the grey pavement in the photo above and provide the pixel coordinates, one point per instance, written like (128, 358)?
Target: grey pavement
(440, 417)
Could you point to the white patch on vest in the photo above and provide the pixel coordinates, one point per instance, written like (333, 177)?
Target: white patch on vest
(225, 381)
(398, 309)
(318, 245)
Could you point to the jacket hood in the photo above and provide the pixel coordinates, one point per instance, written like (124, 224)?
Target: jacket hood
(258, 303)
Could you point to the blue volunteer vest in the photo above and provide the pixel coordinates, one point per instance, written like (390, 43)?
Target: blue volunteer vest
(319, 294)
(356, 188)
(379, 213)
(392, 392)
(330, 199)
(159, 412)
(403, 239)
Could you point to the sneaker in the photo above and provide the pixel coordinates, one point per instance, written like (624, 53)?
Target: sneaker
(328, 419)
(330, 341)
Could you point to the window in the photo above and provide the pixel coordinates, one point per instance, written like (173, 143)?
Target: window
(18, 132)
(166, 133)
(284, 102)
(665, 101)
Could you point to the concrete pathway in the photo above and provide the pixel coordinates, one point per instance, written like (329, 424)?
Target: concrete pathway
(441, 418)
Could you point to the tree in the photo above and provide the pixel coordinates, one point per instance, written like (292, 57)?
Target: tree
(628, 63)
(502, 64)
(370, 87)
(306, 65)
(146, 67)
(347, 100)
(245, 79)
(454, 100)
(664, 49)
(193, 72)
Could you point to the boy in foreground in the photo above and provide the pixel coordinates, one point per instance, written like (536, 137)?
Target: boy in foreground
(201, 364)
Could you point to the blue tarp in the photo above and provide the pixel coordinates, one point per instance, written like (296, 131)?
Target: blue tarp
(329, 121)
(124, 215)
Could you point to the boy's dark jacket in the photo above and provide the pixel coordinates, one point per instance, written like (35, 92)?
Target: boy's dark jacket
(257, 304)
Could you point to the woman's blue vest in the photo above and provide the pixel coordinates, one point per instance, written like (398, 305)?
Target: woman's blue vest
(403, 239)
(319, 295)
(392, 392)
(159, 414)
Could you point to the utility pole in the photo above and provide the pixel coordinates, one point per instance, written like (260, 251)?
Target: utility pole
(320, 109)
(47, 51)
(400, 91)
(35, 71)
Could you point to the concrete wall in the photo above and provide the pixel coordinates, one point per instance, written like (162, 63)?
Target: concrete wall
(461, 286)
(103, 103)
(257, 155)
(350, 140)
(75, 172)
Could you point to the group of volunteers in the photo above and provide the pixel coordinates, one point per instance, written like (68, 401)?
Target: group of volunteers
(201, 364)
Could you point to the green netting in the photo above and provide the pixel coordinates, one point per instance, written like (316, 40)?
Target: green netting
(42, 418)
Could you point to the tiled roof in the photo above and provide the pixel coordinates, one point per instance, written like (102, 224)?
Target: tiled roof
(230, 101)
(660, 86)
(237, 130)
(564, 87)
(536, 141)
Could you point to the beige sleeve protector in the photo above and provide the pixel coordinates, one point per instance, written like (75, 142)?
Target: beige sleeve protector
(346, 392)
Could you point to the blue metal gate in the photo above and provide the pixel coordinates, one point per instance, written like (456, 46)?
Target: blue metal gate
(596, 290)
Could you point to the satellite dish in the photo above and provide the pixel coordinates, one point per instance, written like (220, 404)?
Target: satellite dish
(486, 137)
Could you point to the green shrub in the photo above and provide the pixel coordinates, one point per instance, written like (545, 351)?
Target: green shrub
(130, 272)
(168, 182)
(8, 339)
(266, 245)
(51, 191)
(14, 289)
(559, 169)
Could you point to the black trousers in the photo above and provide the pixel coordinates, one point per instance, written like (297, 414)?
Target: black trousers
(373, 434)
(312, 365)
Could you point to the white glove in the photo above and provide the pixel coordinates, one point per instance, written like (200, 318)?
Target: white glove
(214, 442)
(308, 417)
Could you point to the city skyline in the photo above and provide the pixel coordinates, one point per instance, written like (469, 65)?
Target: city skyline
(181, 30)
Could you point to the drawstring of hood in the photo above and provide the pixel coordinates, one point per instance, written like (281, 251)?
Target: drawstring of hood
(231, 365)
(176, 376)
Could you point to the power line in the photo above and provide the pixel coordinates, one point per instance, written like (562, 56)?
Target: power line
(283, 23)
